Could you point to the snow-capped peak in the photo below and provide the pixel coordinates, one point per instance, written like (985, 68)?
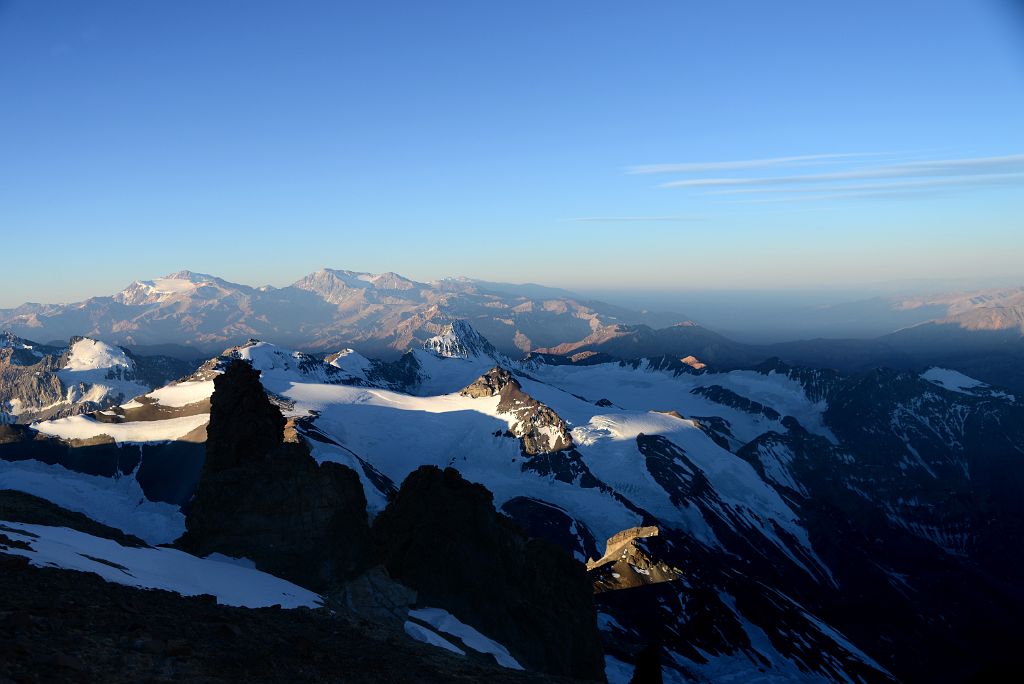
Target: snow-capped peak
(161, 289)
(460, 340)
(190, 276)
(87, 354)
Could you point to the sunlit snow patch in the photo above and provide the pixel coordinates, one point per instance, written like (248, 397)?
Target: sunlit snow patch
(182, 393)
(85, 427)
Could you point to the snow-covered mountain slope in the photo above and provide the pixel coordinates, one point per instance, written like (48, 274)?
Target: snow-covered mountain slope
(778, 492)
(38, 382)
(117, 502)
(233, 582)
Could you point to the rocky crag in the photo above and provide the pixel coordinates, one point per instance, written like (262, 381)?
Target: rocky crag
(442, 536)
(263, 498)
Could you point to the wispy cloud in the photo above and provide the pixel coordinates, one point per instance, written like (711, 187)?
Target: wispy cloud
(945, 167)
(988, 179)
(831, 196)
(612, 219)
(772, 162)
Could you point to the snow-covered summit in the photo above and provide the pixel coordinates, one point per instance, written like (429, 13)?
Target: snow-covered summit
(86, 354)
(461, 340)
(96, 372)
(351, 362)
(170, 287)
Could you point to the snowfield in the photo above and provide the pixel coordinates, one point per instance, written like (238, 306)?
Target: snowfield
(956, 381)
(465, 433)
(445, 622)
(86, 427)
(181, 394)
(115, 502)
(645, 389)
(155, 568)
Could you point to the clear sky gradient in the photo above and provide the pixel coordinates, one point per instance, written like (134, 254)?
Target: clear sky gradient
(590, 145)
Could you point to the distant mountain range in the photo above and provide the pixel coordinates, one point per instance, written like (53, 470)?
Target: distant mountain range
(382, 315)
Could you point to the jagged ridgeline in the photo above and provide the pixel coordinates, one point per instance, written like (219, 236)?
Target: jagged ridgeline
(582, 516)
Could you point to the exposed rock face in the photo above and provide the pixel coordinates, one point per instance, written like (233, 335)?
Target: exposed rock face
(442, 537)
(262, 498)
(541, 430)
(629, 561)
(727, 397)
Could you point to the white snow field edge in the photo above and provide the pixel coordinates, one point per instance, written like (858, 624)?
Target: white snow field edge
(445, 622)
(117, 502)
(180, 394)
(155, 568)
(429, 636)
(955, 381)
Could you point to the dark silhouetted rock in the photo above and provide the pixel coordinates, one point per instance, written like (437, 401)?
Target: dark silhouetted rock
(266, 499)
(442, 537)
(648, 667)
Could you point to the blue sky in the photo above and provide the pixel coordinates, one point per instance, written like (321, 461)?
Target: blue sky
(659, 145)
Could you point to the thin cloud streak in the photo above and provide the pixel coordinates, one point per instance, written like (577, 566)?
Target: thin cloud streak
(867, 194)
(610, 219)
(700, 167)
(983, 180)
(947, 167)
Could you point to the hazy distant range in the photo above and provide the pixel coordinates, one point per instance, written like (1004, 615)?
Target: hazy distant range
(768, 316)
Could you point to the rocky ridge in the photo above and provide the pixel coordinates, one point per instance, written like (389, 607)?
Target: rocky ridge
(541, 430)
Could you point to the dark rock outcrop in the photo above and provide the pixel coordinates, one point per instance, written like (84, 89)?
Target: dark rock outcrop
(541, 430)
(544, 520)
(262, 498)
(442, 537)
